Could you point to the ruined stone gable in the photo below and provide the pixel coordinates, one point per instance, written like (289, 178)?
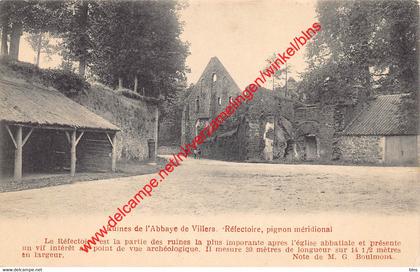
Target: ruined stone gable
(262, 130)
(208, 98)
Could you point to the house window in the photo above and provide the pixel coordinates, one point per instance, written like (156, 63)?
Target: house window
(219, 100)
(197, 104)
(214, 77)
(230, 99)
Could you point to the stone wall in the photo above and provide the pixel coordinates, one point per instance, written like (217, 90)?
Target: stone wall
(292, 127)
(253, 138)
(324, 122)
(224, 147)
(168, 150)
(135, 118)
(362, 149)
(266, 107)
(170, 130)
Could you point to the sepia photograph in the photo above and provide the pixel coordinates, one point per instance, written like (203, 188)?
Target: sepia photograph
(204, 133)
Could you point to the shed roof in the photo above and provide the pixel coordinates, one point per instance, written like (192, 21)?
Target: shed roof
(27, 104)
(380, 117)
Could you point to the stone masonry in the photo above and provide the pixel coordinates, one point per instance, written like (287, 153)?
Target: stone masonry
(362, 149)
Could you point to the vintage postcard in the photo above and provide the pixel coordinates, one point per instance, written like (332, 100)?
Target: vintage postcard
(205, 133)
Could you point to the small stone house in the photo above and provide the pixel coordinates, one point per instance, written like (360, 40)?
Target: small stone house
(259, 130)
(376, 135)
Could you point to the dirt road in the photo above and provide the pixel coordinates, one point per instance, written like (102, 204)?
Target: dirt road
(204, 187)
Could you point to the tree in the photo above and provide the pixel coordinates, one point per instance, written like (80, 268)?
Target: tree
(13, 14)
(5, 26)
(40, 43)
(396, 46)
(74, 32)
(134, 43)
(137, 43)
(281, 76)
(31, 16)
(358, 41)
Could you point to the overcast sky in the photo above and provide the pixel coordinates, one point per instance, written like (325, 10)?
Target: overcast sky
(241, 33)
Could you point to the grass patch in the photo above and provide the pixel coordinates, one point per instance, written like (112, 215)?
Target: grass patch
(125, 168)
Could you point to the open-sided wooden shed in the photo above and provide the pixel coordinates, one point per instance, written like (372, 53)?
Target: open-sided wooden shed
(41, 130)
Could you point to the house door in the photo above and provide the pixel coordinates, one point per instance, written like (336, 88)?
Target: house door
(400, 149)
(310, 148)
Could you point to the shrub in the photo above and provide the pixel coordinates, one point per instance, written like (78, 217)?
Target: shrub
(64, 81)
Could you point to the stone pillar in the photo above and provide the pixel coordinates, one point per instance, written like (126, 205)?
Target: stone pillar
(295, 153)
(156, 131)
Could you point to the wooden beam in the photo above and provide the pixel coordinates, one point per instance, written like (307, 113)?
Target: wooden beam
(73, 154)
(11, 135)
(114, 152)
(68, 136)
(18, 155)
(27, 136)
(109, 139)
(136, 83)
(80, 136)
(64, 128)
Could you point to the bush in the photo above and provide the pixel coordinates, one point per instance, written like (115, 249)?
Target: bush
(64, 81)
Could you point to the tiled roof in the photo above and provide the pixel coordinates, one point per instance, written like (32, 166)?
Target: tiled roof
(380, 117)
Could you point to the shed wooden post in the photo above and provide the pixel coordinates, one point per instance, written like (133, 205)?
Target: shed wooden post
(114, 153)
(73, 154)
(136, 83)
(18, 154)
(19, 143)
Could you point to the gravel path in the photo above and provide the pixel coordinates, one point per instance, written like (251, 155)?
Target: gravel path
(205, 187)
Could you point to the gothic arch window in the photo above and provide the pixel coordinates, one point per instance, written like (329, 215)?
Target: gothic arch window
(230, 99)
(197, 104)
(197, 124)
(214, 77)
(219, 101)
